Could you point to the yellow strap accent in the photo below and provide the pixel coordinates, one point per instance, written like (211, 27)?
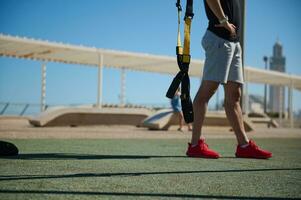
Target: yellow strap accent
(186, 58)
(179, 43)
(187, 36)
(180, 50)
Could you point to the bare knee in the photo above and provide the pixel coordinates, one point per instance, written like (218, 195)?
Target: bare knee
(232, 98)
(203, 97)
(205, 92)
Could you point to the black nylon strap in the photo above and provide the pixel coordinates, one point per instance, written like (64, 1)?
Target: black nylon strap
(174, 85)
(178, 4)
(182, 76)
(189, 9)
(186, 102)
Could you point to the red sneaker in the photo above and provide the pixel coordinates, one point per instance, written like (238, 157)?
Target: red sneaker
(252, 151)
(201, 150)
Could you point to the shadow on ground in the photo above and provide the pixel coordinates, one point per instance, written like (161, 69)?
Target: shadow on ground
(128, 194)
(128, 174)
(64, 156)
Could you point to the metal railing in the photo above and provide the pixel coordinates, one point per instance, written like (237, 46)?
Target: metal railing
(19, 109)
(29, 109)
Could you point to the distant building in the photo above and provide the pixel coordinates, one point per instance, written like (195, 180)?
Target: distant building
(277, 93)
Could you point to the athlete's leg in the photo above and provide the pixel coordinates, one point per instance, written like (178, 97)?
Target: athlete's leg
(200, 103)
(181, 120)
(233, 110)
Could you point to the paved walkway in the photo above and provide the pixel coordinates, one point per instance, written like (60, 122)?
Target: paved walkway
(19, 128)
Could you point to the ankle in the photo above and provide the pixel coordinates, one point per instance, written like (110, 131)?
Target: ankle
(194, 145)
(244, 145)
(195, 142)
(242, 138)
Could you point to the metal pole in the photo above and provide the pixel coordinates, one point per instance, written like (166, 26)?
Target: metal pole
(242, 42)
(265, 59)
(43, 87)
(246, 100)
(290, 105)
(24, 110)
(280, 106)
(122, 95)
(99, 88)
(217, 99)
(282, 102)
(4, 109)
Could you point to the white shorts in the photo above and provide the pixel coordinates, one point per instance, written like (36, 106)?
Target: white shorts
(223, 60)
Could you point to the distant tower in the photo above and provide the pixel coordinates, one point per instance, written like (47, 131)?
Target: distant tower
(277, 93)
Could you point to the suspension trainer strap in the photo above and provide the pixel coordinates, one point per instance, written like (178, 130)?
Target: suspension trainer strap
(183, 60)
(179, 43)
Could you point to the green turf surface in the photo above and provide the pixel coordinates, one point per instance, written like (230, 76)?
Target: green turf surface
(147, 169)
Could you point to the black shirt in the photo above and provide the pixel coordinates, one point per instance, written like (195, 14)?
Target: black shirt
(231, 8)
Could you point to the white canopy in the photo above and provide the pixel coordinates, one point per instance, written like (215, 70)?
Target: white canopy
(17, 47)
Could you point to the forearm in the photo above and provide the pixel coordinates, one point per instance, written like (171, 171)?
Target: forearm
(216, 8)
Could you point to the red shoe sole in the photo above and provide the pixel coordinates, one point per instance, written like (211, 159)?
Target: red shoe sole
(254, 157)
(201, 156)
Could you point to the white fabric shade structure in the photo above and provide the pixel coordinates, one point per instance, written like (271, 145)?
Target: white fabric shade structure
(76, 54)
(46, 51)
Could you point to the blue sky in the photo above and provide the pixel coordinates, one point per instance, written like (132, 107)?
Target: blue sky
(130, 25)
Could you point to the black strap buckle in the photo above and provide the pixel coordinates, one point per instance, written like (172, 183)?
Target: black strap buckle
(178, 4)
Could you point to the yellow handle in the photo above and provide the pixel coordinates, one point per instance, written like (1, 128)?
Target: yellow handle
(179, 43)
(187, 36)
